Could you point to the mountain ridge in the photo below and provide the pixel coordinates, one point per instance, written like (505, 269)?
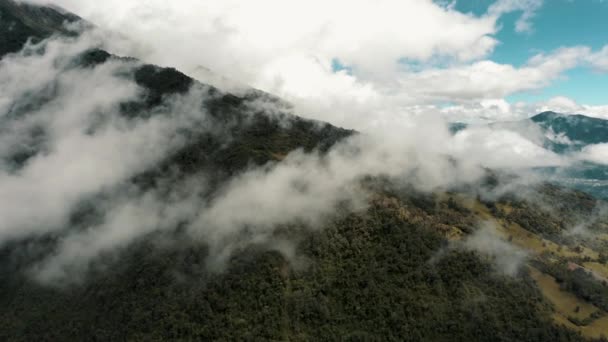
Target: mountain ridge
(20, 22)
(577, 127)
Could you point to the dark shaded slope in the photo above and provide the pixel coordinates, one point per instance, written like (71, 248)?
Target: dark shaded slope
(259, 136)
(262, 138)
(20, 22)
(243, 135)
(580, 129)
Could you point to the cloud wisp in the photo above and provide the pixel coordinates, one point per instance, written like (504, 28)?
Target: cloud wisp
(486, 240)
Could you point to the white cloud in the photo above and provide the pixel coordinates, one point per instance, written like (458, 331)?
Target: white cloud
(87, 146)
(490, 80)
(476, 90)
(306, 188)
(599, 60)
(244, 35)
(128, 217)
(508, 258)
(565, 105)
(502, 149)
(493, 110)
(287, 48)
(303, 187)
(595, 153)
(528, 7)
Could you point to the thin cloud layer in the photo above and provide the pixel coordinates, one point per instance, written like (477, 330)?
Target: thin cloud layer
(67, 123)
(596, 153)
(599, 60)
(486, 240)
(527, 7)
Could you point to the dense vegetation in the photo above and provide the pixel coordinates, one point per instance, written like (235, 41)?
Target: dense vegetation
(551, 210)
(367, 276)
(580, 129)
(578, 282)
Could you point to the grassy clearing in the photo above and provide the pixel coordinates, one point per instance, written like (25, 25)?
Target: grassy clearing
(538, 245)
(565, 305)
(600, 270)
(597, 329)
(507, 209)
(526, 239)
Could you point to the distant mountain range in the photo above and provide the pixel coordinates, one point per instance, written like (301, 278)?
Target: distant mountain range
(572, 132)
(565, 134)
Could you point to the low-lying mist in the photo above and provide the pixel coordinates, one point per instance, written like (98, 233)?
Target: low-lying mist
(65, 140)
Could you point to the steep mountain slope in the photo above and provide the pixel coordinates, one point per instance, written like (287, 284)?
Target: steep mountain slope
(579, 130)
(403, 268)
(368, 278)
(20, 22)
(567, 134)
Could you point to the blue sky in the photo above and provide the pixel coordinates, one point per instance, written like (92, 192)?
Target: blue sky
(557, 24)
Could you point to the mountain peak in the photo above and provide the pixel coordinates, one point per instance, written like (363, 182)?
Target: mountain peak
(544, 116)
(550, 115)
